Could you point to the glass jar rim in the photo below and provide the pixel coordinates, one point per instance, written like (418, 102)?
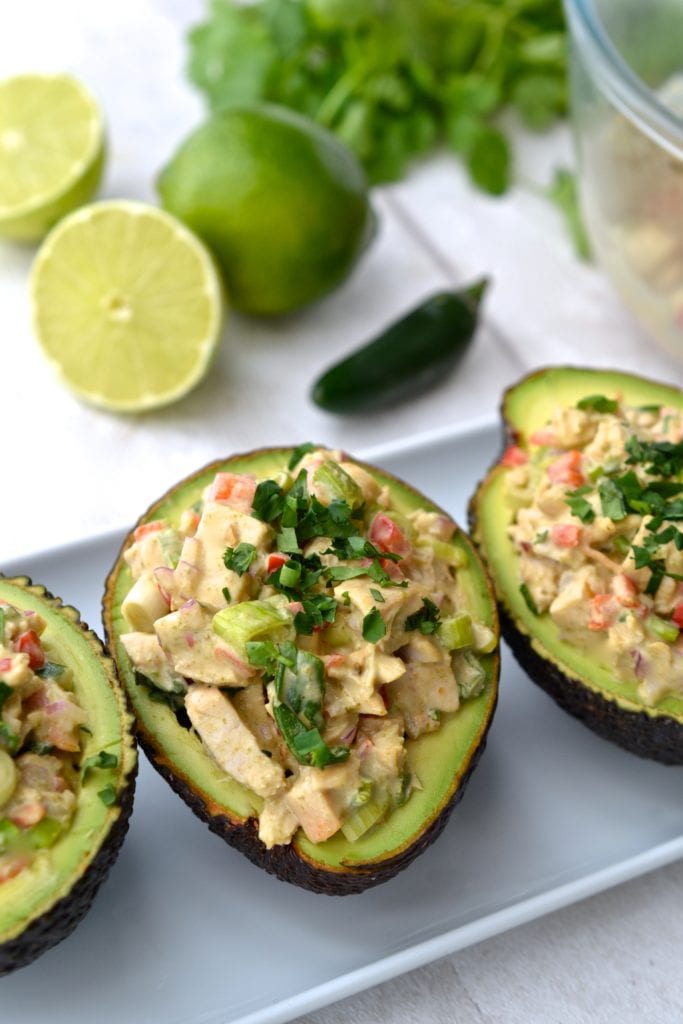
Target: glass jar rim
(628, 93)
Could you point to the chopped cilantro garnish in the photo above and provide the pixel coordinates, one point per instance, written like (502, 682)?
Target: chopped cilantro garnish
(659, 458)
(579, 506)
(51, 670)
(101, 760)
(346, 598)
(287, 542)
(541, 537)
(269, 501)
(5, 692)
(107, 795)
(427, 619)
(317, 610)
(298, 454)
(378, 595)
(240, 558)
(612, 500)
(226, 594)
(598, 403)
(374, 627)
(8, 738)
(654, 409)
(529, 601)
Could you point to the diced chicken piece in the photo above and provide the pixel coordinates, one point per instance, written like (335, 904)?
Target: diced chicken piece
(196, 652)
(571, 608)
(230, 742)
(381, 750)
(149, 657)
(358, 676)
(144, 604)
(277, 822)
(609, 442)
(222, 526)
(600, 531)
(667, 596)
(16, 670)
(625, 635)
(573, 428)
(551, 498)
(422, 649)
(423, 693)
(250, 705)
(362, 600)
(658, 671)
(542, 578)
(319, 796)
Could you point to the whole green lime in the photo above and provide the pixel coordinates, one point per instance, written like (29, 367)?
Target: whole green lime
(280, 201)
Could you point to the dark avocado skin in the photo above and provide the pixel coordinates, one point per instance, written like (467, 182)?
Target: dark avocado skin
(656, 738)
(61, 919)
(286, 862)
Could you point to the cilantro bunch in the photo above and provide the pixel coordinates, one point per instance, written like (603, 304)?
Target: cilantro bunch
(392, 78)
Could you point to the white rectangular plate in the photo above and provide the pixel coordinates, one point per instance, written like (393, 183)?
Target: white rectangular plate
(187, 931)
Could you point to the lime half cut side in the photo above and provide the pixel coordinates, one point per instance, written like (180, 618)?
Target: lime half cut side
(51, 152)
(127, 305)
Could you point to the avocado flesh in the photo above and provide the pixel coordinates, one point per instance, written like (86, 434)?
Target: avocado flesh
(441, 760)
(536, 639)
(45, 901)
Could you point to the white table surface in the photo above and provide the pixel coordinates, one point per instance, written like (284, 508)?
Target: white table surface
(613, 957)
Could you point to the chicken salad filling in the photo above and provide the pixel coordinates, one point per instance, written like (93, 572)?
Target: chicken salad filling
(597, 495)
(40, 742)
(309, 630)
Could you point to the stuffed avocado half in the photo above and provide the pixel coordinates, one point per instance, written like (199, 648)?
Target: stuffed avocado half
(311, 651)
(580, 523)
(67, 770)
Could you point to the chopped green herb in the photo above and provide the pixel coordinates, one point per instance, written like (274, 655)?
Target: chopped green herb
(529, 601)
(374, 627)
(427, 619)
(8, 738)
(107, 795)
(541, 537)
(5, 692)
(226, 594)
(654, 409)
(269, 501)
(377, 595)
(317, 609)
(173, 699)
(51, 670)
(346, 598)
(307, 745)
(659, 458)
(579, 506)
(101, 760)
(598, 403)
(298, 454)
(612, 500)
(286, 541)
(240, 558)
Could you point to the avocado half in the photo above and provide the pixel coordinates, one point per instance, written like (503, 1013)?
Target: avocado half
(442, 760)
(609, 706)
(44, 903)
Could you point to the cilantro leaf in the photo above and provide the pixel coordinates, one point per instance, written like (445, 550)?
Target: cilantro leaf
(598, 403)
(240, 558)
(377, 595)
(5, 692)
(298, 454)
(374, 627)
(427, 619)
(579, 506)
(269, 501)
(612, 500)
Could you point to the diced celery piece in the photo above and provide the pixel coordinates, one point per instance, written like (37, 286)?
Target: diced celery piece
(9, 834)
(448, 553)
(253, 620)
(364, 817)
(456, 632)
(469, 674)
(337, 485)
(44, 833)
(663, 629)
(170, 542)
(8, 777)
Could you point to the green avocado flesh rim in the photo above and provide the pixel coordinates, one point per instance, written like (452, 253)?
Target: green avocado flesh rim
(55, 870)
(439, 759)
(527, 408)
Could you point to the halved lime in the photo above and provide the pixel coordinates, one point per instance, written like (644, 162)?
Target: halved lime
(127, 305)
(51, 152)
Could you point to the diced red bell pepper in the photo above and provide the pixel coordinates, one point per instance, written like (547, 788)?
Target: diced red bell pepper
(566, 535)
(603, 612)
(144, 529)
(514, 456)
(234, 489)
(543, 437)
(29, 643)
(677, 615)
(567, 469)
(275, 561)
(386, 535)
